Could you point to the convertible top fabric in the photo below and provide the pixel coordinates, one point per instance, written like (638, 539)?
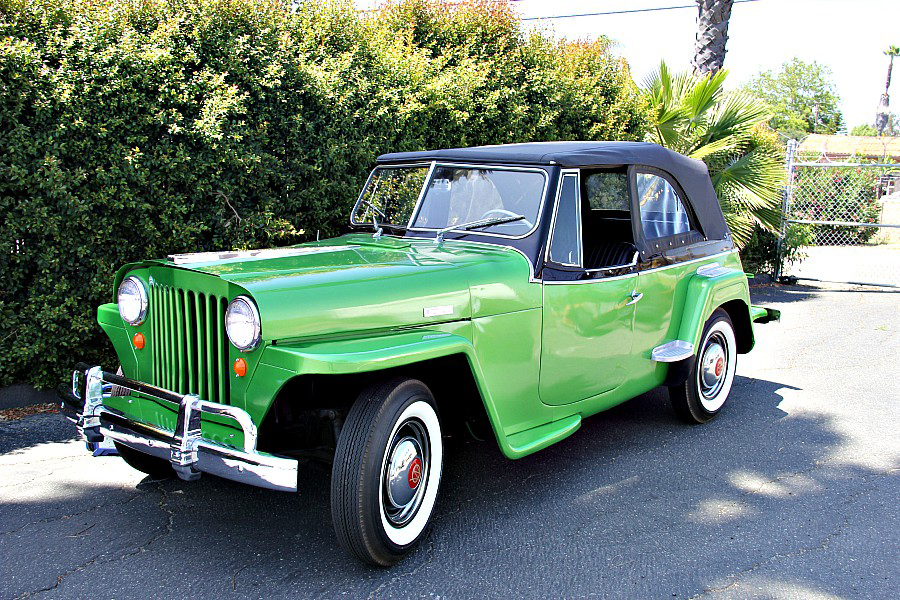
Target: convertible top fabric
(691, 174)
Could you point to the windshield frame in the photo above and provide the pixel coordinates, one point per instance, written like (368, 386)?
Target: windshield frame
(433, 165)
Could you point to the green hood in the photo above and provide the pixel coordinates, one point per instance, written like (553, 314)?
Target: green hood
(356, 283)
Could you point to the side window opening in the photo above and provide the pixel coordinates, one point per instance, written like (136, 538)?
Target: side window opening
(606, 219)
(565, 243)
(663, 214)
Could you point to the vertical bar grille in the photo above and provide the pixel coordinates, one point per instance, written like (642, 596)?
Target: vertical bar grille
(190, 349)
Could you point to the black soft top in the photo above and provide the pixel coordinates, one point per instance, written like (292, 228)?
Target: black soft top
(690, 174)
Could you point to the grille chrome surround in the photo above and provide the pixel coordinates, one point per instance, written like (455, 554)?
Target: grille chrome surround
(190, 348)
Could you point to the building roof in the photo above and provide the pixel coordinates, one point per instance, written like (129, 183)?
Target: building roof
(841, 146)
(690, 174)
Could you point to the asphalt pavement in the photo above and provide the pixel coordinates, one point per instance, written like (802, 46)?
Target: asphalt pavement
(792, 492)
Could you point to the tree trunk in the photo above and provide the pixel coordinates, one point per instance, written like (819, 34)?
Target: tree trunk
(712, 34)
(890, 66)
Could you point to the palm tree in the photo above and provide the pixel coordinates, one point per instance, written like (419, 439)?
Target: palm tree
(712, 34)
(694, 115)
(882, 115)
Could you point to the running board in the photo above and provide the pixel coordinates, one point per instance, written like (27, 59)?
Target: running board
(538, 438)
(672, 351)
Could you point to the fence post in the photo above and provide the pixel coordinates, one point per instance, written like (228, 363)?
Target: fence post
(785, 205)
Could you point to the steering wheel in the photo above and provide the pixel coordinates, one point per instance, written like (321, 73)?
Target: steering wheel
(502, 212)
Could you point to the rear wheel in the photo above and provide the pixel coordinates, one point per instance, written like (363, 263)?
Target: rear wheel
(701, 397)
(386, 472)
(156, 468)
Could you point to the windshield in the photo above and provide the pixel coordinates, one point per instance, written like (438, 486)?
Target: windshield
(454, 196)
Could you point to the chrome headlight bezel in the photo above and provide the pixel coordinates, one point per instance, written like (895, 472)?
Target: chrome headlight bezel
(256, 325)
(142, 300)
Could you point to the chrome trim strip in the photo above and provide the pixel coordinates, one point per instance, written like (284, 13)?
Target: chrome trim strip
(687, 262)
(189, 452)
(600, 280)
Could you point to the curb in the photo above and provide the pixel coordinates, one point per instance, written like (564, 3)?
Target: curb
(17, 396)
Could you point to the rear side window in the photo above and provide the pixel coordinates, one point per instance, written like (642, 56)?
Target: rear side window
(607, 191)
(662, 212)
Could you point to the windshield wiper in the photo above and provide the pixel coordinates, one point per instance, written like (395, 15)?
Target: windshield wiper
(475, 225)
(378, 226)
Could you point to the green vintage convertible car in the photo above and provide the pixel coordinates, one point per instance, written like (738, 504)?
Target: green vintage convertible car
(515, 288)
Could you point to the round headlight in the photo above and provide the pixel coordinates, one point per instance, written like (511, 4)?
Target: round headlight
(242, 323)
(132, 301)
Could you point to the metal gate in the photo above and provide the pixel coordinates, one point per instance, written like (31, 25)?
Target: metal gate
(847, 215)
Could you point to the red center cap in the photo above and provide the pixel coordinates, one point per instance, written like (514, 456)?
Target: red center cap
(720, 364)
(415, 473)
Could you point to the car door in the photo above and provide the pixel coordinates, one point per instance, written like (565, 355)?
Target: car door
(587, 315)
(670, 241)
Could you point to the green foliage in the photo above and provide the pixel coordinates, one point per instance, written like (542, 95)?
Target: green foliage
(892, 129)
(864, 130)
(134, 129)
(803, 98)
(760, 255)
(694, 115)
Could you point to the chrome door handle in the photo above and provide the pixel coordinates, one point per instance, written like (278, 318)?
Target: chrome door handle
(635, 298)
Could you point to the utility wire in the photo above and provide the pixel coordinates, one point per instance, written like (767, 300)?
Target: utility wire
(620, 12)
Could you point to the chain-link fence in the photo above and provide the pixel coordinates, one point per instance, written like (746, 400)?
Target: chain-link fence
(847, 215)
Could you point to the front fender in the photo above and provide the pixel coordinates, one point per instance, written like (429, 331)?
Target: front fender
(499, 385)
(334, 357)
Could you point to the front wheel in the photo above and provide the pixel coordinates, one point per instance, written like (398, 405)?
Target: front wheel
(386, 472)
(702, 396)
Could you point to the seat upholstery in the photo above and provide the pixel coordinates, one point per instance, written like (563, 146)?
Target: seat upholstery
(609, 253)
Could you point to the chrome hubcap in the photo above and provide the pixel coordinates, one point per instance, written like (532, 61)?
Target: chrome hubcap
(713, 366)
(405, 472)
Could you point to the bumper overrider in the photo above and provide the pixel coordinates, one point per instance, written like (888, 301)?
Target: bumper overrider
(189, 452)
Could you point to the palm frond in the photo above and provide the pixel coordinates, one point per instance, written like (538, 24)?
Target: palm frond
(694, 115)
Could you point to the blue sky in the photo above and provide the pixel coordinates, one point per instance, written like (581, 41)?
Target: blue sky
(848, 36)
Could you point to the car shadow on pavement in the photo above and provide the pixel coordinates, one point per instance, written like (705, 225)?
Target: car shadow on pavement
(633, 504)
(786, 294)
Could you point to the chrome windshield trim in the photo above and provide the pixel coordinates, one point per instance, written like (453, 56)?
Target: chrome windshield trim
(418, 206)
(390, 166)
(428, 177)
(522, 169)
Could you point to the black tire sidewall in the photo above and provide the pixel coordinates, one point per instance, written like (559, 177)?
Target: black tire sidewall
(403, 397)
(374, 416)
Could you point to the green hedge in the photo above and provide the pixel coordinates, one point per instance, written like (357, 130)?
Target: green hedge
(138, 128)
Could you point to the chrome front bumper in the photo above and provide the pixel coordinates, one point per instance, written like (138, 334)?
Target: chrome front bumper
(189, 452)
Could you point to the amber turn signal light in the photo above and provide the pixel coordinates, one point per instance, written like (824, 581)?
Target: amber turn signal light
(139, 341)
(240, 367)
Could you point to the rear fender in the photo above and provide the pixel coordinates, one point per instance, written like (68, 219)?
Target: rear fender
(709, 290)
